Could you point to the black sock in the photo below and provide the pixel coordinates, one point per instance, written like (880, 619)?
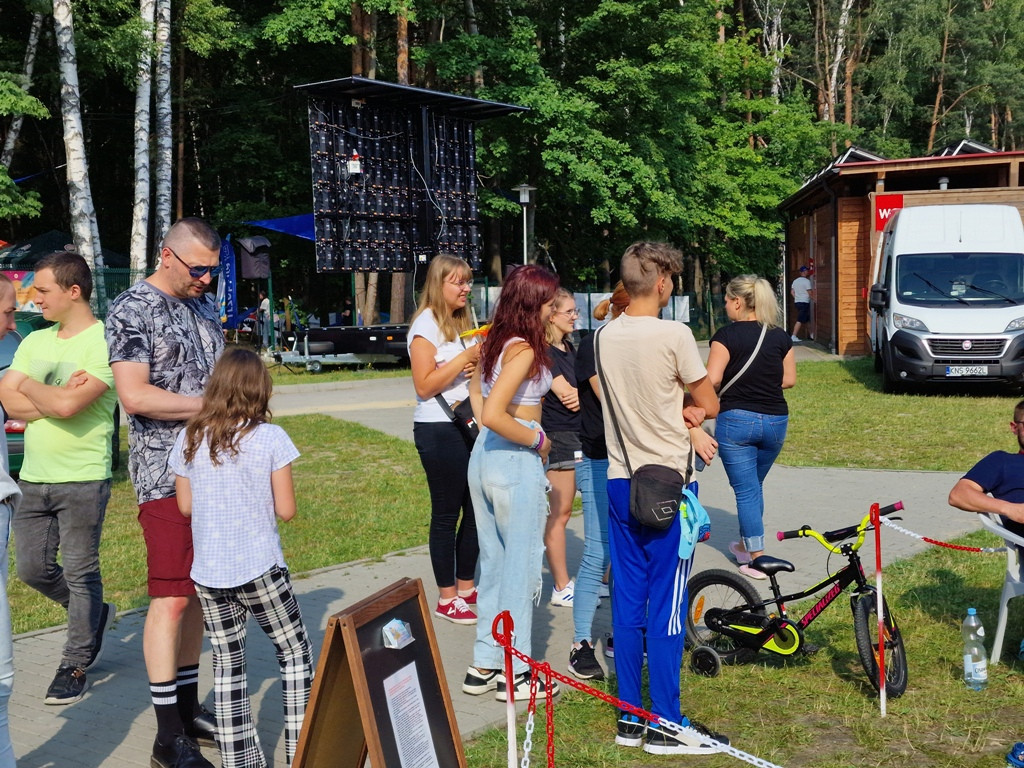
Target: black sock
(165, 702)
(188, 692)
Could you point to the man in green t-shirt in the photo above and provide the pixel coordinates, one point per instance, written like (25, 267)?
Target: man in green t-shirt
(60, 383)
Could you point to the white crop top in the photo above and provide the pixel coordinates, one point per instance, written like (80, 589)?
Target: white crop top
(531, 391)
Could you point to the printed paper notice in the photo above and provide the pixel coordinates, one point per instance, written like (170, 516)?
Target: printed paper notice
(409, 719)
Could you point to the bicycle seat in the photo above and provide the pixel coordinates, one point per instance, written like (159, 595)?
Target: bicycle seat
(768, 564)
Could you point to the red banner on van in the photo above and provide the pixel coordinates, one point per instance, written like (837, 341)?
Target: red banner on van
(885, 207)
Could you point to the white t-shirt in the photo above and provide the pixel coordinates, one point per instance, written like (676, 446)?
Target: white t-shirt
(646, 362)
(425, 325)
(801, 287)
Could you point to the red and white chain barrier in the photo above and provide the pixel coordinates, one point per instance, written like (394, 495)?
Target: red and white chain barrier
(502, 630)
(937, 543)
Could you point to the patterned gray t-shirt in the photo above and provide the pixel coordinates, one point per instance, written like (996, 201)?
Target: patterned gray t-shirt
(181, 340)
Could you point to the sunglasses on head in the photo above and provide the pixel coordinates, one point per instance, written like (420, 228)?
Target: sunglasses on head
(196, 272)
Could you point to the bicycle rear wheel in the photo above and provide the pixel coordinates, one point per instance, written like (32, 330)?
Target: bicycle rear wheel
(865, 629)
(717, 588)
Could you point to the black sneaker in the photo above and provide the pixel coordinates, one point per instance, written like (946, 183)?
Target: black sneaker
(478, 682)
(203, 728)
(68, 686)
(630, 731)
(609, 648)
(583, 664)
(522, 688)
(107, 614)
(664, 741)
(180, 753)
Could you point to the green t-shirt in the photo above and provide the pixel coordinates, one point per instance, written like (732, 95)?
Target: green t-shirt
(75, 449)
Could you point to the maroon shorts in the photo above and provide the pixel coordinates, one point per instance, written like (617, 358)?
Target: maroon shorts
(168, 535)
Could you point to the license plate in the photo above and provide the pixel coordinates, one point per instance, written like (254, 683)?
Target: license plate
(967, 370)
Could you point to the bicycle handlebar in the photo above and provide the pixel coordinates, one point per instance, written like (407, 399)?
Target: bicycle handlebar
(841, 533)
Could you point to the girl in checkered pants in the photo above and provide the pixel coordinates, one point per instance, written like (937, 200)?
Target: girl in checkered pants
(234, 478)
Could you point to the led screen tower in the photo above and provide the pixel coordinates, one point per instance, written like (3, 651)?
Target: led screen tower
(394, 178)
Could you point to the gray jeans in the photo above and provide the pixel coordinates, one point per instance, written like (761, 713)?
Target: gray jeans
(69, 517)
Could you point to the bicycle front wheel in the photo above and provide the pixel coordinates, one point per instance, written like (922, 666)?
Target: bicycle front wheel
(718, 588)
(865, 629)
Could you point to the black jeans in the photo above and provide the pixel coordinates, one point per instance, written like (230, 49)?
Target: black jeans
(453, 543)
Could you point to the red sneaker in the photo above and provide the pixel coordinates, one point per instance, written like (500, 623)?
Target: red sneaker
(470, 598)
(456, 612)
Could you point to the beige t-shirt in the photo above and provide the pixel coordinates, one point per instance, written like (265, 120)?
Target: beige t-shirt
(646, 362)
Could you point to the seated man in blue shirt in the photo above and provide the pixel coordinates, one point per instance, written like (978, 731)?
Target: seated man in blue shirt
(1000, 474)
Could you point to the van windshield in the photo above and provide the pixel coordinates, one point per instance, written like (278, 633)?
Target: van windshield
(975, 279)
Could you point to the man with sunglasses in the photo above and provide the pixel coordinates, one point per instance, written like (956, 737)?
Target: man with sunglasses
(164, 336)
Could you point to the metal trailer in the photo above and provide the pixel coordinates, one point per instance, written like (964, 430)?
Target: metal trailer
(314, 348)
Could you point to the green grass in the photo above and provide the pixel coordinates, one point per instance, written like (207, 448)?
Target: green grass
(818, 712)
(839, 417)
(335, 501)
(299, 375)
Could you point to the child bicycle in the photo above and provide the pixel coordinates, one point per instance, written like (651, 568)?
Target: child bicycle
(727, 620)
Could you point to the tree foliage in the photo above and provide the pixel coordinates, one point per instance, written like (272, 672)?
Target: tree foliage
(652, 119)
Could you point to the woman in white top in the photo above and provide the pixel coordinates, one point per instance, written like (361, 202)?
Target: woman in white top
(506, 473)
(441, 365)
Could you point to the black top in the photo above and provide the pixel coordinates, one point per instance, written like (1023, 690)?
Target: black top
(591, 415)
(760, 388)
(555, 417)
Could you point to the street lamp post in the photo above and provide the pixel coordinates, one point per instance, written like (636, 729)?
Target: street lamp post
(524, 190)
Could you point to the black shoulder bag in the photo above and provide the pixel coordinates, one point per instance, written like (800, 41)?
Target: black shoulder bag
(655, 491)
(461, 414)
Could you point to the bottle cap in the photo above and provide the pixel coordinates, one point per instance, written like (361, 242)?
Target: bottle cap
(971, 612)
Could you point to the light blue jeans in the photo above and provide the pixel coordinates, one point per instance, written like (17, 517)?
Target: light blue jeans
(749, 443)
(510, 503)
(6, 645)
(592, 483)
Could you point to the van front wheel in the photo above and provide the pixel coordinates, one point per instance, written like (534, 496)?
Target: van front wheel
(891, 384)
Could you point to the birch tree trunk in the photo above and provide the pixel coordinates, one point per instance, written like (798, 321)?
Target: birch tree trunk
(143, 94)
(83, 214)
(164, 137)
(398, 279)
(7, 155)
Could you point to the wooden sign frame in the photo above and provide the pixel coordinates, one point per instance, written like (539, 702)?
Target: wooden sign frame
(363, 689)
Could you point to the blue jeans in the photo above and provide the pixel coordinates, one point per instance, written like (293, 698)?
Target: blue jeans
(592, 482)
(68, 516)
(6, 644)
(510, 502)
(749, 443)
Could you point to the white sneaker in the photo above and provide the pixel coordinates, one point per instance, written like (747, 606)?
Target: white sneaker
(563, 597)
(604, 590)
(795, 339)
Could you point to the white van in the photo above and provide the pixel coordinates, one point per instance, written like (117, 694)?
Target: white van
(947, 303)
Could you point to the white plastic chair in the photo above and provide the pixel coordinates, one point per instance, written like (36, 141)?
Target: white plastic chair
(1013, 584)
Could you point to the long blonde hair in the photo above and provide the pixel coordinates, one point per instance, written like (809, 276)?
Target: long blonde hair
(757, 296)
(549, 329)
(449, 323)
(235, 402)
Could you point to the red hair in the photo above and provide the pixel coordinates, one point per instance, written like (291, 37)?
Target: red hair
(526, 290)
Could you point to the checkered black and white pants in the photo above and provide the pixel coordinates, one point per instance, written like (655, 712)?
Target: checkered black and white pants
(272, 603)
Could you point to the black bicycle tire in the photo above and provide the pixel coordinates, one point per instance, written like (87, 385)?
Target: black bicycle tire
(723, 582)
(865, 630)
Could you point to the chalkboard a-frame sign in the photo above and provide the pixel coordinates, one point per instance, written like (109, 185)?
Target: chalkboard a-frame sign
(373, 699)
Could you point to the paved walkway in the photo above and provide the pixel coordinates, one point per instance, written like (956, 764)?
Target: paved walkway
(113, 726)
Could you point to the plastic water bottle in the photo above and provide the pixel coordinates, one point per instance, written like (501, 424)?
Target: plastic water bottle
(975, 661)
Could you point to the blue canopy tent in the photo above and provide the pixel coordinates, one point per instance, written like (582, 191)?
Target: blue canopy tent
(299, 226)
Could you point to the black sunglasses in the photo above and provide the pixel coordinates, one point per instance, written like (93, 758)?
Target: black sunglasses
(196, 272)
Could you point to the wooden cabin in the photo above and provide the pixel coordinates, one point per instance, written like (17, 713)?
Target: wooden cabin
(833, 223)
